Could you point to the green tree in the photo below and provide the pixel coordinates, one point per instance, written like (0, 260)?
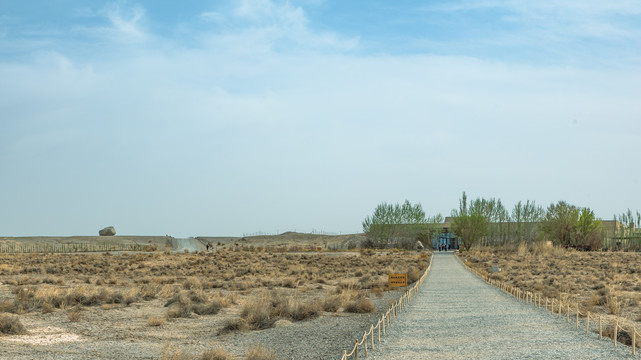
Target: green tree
(628, 231)
(433, 227)
(394, 224)
(527, 218)
(560, 223)
(588, 229)
(470, 224)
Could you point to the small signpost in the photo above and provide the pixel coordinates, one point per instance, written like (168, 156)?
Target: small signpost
(424, 256)
(397, 280)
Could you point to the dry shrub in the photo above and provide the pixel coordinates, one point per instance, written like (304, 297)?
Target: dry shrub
(259, 314)
(613, 305)
(522, 250)
(303, 311)
(289, 282)
(413, 275)
(259, 352)
(594, 300)
(215, 354)
(6, 306)
(150, 291)
(211, 308)
(170, 352)
(47, 308)
(11, 325)
(74, 316)
(332, 303)
(197, 297)
(156, 321)
(379, 291)
(262, 311)
(360, 305)
(179, 311)
(182, 305)
(192, 283)
(47, 298)
(622, 336)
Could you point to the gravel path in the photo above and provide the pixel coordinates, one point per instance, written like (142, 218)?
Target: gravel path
(455, 315)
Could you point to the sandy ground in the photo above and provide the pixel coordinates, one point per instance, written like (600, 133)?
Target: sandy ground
(122, 332)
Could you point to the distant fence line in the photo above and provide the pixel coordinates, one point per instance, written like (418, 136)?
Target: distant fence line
(313, 232)
(374, 333)
(565, 308)
(72, 248)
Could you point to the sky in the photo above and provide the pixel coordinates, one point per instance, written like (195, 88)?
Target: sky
(198, 118)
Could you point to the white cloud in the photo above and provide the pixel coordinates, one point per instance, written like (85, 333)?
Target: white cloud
(560, 29)
(126, 23)
(126, 20)
(266, 12)
(256, 117)
(265, 25)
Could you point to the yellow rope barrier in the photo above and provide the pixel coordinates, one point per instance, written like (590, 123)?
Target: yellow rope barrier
(392, 311)
(531, 298)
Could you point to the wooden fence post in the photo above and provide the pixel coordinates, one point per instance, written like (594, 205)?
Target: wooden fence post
(356, 351)
(600, 328)
(587, 323)
(371, 329)
(365, 342)
(616, 333)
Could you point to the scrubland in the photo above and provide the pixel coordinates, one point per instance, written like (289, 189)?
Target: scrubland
(167, 300)
(606, 283)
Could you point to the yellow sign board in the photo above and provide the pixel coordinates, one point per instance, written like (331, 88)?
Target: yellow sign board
(397, 280)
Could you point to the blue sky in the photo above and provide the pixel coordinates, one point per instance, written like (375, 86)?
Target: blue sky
(231, 117)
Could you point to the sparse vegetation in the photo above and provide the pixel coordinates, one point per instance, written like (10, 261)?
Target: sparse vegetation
(156, 321)
(215, 354)
(600, 282)
(259, 352)
(263, 289)
(11, 325)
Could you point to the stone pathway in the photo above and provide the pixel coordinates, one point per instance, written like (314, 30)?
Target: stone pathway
(456, 315)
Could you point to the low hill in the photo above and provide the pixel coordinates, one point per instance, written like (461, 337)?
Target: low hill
(290, 238)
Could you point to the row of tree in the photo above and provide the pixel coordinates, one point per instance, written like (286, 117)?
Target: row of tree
(394, 225)
(488, 222)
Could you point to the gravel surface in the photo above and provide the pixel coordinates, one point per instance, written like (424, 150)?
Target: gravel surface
(455, 315)
(122, 333)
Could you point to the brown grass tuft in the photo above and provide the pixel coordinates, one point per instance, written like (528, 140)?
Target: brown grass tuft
(156, 321)
(259, 352)
(170, 352)
(360, 305)
(215, 354)
(11, 325)
(74, 316)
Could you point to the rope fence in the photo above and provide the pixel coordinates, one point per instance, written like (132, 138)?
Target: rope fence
(567, 309)
(373, 335)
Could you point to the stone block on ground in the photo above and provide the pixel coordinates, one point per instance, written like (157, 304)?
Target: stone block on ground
(108, 231)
